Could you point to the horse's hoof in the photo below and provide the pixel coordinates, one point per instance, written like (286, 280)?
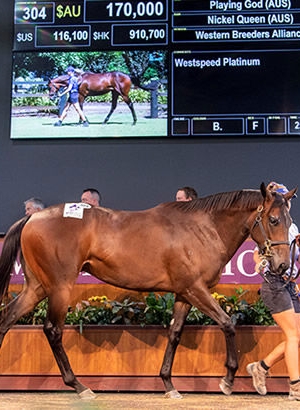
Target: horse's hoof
(173, 394)
(226, 387)
(87, 394)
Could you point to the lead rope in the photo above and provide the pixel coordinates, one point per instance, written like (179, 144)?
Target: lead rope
(264, 262)
(292, 268)
(293, 252)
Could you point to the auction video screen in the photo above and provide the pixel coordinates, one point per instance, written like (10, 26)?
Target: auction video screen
(156, 69)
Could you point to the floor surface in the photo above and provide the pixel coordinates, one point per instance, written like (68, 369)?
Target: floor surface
(143, 401)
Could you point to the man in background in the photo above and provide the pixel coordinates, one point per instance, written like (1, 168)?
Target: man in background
(186, 193)
(33, 205)
(91, 196)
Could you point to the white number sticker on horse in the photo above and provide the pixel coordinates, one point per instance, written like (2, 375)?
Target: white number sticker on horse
(75, 210)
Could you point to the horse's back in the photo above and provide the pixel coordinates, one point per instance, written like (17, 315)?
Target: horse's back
(87, 75)
(104, 82)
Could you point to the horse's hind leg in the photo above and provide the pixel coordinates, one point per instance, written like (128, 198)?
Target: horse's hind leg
(180, 312)
(131, 107)
(20, 306)
(53, 329)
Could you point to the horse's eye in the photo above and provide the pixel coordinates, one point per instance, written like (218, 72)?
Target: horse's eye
(273, 220)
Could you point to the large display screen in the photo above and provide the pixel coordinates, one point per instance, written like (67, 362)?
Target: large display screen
(179, 68)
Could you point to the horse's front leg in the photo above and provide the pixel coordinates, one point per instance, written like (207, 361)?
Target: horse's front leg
(231, 357)
(200, 297)
(180, 312)
(114, 101)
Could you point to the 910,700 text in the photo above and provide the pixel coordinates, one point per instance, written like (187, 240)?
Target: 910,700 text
(147, 34)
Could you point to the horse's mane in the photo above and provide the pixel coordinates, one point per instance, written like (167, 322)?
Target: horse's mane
(243, 199)
(63, 78)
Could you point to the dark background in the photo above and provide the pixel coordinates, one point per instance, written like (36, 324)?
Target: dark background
(248, 84)
(131, 174)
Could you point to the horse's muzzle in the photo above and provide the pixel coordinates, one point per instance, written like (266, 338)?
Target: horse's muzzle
(283, 267)
(280, 270)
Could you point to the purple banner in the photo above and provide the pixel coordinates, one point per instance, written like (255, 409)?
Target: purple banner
(240, 270)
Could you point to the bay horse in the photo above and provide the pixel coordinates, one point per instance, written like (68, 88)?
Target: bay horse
(178, 247)
(93, 84)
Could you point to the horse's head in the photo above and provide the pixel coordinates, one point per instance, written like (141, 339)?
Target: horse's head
(271, 228)
(53, 89)
(55, 84)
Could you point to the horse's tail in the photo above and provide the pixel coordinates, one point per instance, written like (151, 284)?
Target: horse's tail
(11, 247)
(152, 86)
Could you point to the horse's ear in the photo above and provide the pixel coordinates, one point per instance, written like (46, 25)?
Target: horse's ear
(264, 191)
(291, 194)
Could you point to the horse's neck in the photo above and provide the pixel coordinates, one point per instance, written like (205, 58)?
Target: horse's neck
(63, 80)
(234, 228)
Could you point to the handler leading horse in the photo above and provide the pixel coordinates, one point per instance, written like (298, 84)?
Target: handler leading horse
(174, 247)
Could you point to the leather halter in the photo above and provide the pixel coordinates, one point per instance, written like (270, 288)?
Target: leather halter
(57, 87)
(266, 251)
